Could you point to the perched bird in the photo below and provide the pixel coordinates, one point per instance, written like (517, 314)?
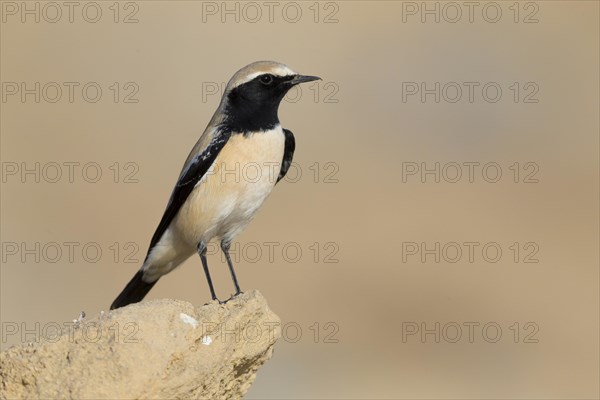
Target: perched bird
(208, 202)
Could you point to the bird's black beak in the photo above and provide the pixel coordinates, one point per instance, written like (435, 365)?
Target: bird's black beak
(303, 78)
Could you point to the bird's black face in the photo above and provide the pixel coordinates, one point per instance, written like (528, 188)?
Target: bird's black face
(253, 106)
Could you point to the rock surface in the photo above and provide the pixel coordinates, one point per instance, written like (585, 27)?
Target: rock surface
(155, 349)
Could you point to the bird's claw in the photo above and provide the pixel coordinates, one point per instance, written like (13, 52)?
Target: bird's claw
(233, 296)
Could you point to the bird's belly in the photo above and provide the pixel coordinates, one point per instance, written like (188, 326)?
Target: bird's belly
(228, 196)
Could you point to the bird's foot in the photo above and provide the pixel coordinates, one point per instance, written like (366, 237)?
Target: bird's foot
(233, 296)
(215, 298)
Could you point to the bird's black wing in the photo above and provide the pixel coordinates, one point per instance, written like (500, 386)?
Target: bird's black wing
(288, 153)
(188, 179)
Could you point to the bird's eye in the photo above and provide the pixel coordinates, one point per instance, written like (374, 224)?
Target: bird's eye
(266, 79)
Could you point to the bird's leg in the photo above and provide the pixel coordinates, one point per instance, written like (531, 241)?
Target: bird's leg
(225, 245)
(202, 252)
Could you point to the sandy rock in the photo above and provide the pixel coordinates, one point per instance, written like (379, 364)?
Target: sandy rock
(155, 349)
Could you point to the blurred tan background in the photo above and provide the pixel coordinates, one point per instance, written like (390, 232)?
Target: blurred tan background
(355, 212)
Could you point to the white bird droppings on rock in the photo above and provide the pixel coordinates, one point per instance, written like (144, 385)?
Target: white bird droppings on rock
(188, 320)
(206, 340)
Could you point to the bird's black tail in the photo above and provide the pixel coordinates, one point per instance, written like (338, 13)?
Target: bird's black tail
(135, 291)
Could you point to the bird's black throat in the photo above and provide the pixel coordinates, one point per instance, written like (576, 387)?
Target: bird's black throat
(253, 106)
